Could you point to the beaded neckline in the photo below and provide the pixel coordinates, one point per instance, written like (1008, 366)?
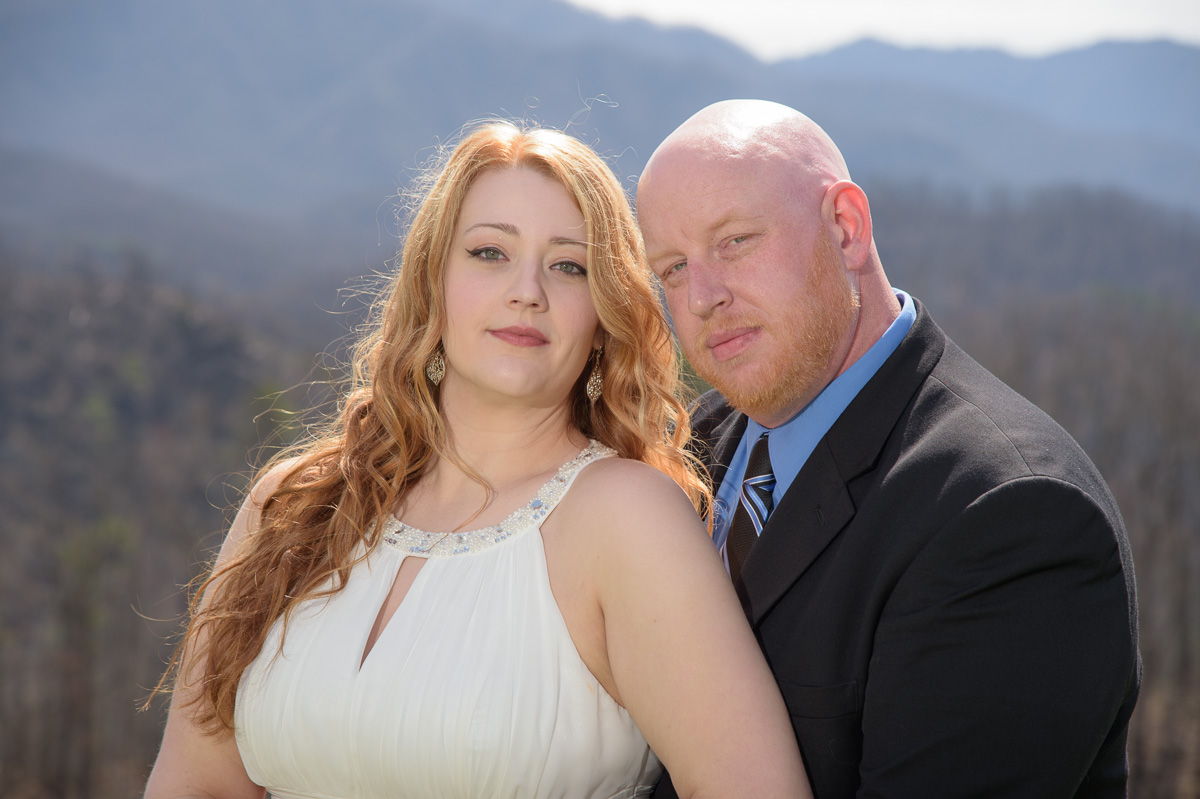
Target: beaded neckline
(412, 541)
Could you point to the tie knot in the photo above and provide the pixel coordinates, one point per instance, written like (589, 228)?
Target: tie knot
(758, 484)
(759, 464)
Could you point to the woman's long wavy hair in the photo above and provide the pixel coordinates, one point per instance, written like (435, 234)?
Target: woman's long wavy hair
(318, 517)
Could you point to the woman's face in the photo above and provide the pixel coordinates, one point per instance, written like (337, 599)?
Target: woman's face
(520, 322)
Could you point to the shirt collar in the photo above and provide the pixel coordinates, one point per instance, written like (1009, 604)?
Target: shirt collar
(792, 442)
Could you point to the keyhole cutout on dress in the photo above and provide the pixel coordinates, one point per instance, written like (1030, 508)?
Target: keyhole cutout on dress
(405, 575)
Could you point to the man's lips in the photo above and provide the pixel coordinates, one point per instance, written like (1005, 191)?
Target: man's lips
(726, 344)
(520, 336)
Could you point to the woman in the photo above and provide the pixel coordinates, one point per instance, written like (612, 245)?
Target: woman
(392, 614)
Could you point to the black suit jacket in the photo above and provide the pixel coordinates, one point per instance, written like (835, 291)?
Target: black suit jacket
(945, 592)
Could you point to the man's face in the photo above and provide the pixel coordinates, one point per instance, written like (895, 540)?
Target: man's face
(758, 295)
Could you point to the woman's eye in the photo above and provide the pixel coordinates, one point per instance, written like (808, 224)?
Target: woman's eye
(486, 253)
(570, 268)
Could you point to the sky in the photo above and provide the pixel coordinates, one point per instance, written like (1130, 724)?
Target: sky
(775, 29)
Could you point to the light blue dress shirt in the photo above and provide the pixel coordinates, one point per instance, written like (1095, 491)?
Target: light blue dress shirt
(792, 442)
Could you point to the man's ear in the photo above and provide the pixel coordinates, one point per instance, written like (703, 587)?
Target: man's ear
(847, 215)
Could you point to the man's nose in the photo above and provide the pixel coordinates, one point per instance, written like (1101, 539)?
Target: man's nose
(707, 288)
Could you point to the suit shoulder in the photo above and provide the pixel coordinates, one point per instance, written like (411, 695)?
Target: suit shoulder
(707, 411)
(992, 428)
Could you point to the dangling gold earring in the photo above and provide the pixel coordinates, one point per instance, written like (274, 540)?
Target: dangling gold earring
(435, 370)
(595, 382)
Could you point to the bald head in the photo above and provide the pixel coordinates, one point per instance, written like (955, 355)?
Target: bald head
(757, 134)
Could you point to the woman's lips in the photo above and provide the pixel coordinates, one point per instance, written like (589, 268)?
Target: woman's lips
(520, 336)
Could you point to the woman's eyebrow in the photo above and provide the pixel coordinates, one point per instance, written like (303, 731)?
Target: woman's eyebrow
(504, 227)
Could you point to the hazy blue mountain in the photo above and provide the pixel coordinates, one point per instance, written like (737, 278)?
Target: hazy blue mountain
(282, 277)
(563, 24)
(44, 198)
(277, 108)
(1119, 88)
(315, 112)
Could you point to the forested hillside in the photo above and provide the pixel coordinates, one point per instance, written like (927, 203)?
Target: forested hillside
(131, 406)
(127, 413)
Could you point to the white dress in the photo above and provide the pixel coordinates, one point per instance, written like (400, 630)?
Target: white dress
(473, 689)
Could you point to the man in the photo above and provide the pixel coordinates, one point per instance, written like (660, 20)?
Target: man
(942, 584)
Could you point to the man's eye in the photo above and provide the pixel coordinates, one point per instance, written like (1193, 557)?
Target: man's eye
(669, 271)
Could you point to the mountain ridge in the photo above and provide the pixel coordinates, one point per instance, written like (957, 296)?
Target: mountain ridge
(279, 113)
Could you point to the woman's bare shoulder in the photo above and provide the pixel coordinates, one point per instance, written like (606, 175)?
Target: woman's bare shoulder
(627, 480)
(622, 497)
(249, 516)
(270, 479)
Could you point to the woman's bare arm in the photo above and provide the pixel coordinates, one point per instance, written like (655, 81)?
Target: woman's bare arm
(682, 657)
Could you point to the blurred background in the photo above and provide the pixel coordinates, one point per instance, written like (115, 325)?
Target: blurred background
(194, 195)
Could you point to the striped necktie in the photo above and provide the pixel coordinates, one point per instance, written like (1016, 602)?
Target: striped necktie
(753, 507)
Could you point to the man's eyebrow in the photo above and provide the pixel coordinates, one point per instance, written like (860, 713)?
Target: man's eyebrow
(723, 221)
(729, 218)
(738, 218)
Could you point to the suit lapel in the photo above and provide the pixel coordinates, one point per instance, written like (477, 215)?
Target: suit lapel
(814, 510)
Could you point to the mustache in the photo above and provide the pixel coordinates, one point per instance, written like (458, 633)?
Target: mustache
(714, 324)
